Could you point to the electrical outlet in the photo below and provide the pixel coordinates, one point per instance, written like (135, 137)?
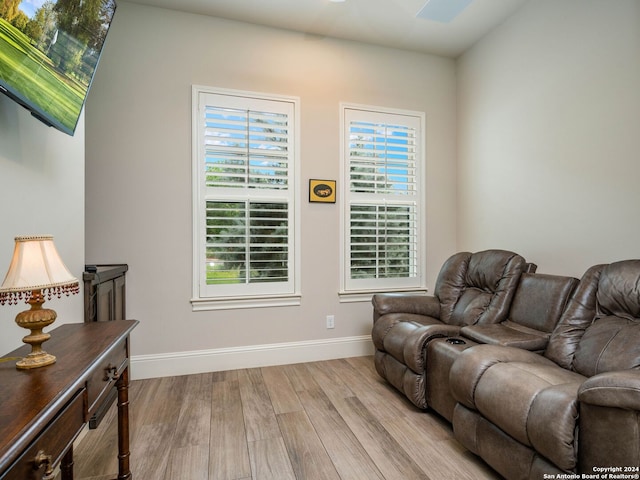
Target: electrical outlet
(330, 321)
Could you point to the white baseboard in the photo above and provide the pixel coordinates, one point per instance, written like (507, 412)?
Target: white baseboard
(217, 360)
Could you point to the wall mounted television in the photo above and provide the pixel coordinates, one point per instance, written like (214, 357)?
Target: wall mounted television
(49, 51)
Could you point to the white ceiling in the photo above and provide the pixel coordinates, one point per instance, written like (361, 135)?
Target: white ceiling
(391, 23)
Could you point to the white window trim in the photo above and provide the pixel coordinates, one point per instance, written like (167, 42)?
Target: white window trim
(199, 303)
(364, 294)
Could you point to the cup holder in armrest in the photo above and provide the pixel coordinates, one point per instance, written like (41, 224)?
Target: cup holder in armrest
(456, 341)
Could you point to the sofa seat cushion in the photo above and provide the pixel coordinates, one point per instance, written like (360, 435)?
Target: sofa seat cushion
(507, 333)
(527, 396)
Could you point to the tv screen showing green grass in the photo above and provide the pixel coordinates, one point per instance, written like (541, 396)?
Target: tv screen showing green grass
(49, 51)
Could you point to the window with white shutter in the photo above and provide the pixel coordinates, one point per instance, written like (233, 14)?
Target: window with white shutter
(245, 157)
(383, 216)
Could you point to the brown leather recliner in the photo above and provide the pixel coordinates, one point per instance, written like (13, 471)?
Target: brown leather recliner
(573, 409)
(472, 288)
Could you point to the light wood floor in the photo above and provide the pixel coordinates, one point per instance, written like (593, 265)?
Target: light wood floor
(334, 419)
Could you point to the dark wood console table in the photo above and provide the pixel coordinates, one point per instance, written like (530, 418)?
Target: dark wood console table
(42, 411)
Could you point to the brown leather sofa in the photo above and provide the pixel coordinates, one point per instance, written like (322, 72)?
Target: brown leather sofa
(471, 289)
(552, 388)
(573, 409)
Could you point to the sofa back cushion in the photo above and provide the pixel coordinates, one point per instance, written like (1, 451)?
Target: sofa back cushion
(477, 288)
(540, 300)
(578, 315)
(619, 290)
(611, 341)
(599, 330)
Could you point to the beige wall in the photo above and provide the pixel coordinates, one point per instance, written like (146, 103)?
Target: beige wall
(549, 135)
(548, 114)
(41, 192)
(139, 164)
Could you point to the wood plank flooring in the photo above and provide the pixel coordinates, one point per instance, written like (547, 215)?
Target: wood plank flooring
(333, 420)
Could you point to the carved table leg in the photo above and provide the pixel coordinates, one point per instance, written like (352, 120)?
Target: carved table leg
(66, 466)
(124, 471)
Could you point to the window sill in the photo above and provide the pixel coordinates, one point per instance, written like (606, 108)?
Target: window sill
(234, 303)
(365, 296)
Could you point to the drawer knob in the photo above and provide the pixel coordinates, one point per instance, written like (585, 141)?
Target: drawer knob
(43, 460)
(111, 373)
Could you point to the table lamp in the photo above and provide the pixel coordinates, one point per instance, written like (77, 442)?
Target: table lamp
(36, 270)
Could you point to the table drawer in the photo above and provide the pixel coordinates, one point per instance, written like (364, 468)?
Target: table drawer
(104, 376)
(52, 443)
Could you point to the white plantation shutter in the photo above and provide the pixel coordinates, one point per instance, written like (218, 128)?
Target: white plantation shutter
(247, 242)
(246, 148)
(383, 240)
(382, 158)
(246, 201)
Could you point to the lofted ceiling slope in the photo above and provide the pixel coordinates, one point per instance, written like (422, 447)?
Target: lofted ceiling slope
(390, 23)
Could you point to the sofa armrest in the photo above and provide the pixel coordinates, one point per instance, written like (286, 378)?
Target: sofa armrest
(406, 340)
(620, 389)
(609, 421)
(417, 304)
(472, 363)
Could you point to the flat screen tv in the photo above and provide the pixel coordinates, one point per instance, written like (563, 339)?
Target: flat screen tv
(49, 51)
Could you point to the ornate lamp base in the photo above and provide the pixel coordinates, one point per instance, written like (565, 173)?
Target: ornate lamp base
(35, 320)
(32, 360)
